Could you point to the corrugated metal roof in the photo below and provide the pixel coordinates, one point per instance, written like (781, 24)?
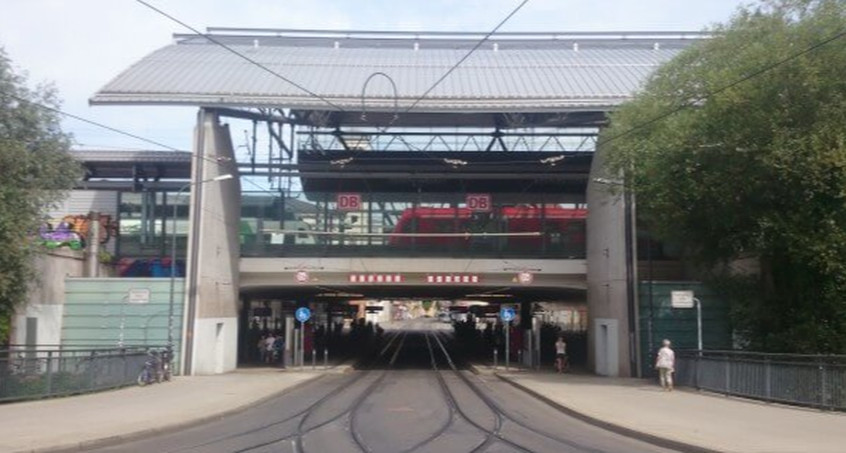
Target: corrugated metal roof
(140, 156)
(539, 74)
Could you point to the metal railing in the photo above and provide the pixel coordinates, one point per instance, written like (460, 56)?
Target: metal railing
(806, 380)
(39, 372)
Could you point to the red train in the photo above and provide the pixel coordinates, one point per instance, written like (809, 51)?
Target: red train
(559, 226)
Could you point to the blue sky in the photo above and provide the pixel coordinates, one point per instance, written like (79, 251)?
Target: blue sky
(80, 45)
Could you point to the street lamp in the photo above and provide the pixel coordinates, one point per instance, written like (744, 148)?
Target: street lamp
(173, 253)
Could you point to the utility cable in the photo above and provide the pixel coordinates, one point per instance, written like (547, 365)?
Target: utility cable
(467, 55)
(241, 55)
(88, 121)
(724, 88)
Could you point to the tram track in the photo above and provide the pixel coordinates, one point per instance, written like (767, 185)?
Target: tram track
(350, 409)
(303, 414)
(412, 395)
(503, 415)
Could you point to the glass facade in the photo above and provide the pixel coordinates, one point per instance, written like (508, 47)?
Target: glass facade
(143, 245)
(327, 224)
(411, 224)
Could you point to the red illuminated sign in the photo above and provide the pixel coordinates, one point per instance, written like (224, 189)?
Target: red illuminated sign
(479, 202)
(349, 201)
(376, 278)
(301, 277)
(451, 278)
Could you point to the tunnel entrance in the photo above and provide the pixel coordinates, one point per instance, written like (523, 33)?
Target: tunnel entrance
(347, 325)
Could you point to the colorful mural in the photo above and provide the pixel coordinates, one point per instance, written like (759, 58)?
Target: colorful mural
(143, 267)
(72, 230)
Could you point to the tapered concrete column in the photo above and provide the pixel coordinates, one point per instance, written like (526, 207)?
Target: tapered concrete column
(611, 341)
(211, 328)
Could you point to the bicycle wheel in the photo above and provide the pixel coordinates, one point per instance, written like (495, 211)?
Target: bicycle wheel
(143, 378)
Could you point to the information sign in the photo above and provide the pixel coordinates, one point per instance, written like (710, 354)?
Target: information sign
(507, 314)
(302, 314)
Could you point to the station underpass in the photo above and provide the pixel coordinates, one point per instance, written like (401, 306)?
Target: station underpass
(346, 317)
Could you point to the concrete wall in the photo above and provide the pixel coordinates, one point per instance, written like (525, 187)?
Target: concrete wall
(213, 252)
(606, 278)
(47, 296)
(280, 272)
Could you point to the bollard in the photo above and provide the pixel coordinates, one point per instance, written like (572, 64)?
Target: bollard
(519, 358)
(496, 359)
(325, 358)
(313, 359)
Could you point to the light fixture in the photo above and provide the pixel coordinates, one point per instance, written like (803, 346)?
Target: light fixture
(553, 160)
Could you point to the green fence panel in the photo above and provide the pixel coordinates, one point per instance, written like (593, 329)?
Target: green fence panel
(132, 311)
(656, 315)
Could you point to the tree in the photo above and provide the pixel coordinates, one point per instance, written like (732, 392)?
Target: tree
(737, 148)
(36, 171)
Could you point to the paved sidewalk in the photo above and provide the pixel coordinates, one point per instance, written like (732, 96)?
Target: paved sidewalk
(76, 422)
(700, 420)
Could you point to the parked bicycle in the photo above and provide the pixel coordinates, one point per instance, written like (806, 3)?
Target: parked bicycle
(153, 371)
(167, 363)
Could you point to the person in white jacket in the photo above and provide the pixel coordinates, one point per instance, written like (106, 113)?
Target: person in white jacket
(665, 364)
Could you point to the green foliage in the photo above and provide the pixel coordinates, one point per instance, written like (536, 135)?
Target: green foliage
(756, 170)
(36, 170)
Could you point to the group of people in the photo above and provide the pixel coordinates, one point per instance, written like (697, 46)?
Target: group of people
(665, 362)
(271, 348)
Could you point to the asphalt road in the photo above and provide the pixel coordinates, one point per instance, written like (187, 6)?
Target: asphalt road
(412, 396)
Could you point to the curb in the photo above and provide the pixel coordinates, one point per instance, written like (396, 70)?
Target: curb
(622, 430)
(172, 428)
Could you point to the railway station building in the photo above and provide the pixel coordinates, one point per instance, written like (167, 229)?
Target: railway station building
(338, 169)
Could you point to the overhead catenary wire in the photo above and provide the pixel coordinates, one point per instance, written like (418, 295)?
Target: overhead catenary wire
(88, 121)
(440, 80)
(466, 56)
(692, 103)
(240, 55)
(644, 124)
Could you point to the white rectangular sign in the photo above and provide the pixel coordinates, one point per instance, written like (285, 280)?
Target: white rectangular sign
(682, 299)
(138, 296)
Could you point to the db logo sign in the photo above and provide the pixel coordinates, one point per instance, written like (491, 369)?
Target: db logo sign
(301, 277)
(480, 202)
(525, 278)
(349, 201)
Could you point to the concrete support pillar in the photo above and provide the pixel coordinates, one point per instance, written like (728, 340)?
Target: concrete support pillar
(211, 329)
(92, 251)
(611, 301)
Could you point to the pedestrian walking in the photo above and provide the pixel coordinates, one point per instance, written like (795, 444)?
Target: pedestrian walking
(268, 348)
(279, 350)
(665, 364)
(262, 348)
(561, 355)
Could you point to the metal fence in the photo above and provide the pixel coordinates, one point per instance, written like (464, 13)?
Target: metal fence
(807, 380)
(31, 373)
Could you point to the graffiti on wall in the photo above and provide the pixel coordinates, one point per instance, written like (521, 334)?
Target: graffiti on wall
(72, 230)
(154, 267)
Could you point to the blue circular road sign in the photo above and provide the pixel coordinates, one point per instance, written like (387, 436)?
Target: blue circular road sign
(507, 314)
(302, 314)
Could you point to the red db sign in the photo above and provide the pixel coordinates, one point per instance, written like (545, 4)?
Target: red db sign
(349, 201)
(479, 202)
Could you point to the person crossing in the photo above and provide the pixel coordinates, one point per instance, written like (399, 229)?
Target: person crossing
(665, 364)
(561, 355)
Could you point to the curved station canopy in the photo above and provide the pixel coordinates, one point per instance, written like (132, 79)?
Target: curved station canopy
(333, 78)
